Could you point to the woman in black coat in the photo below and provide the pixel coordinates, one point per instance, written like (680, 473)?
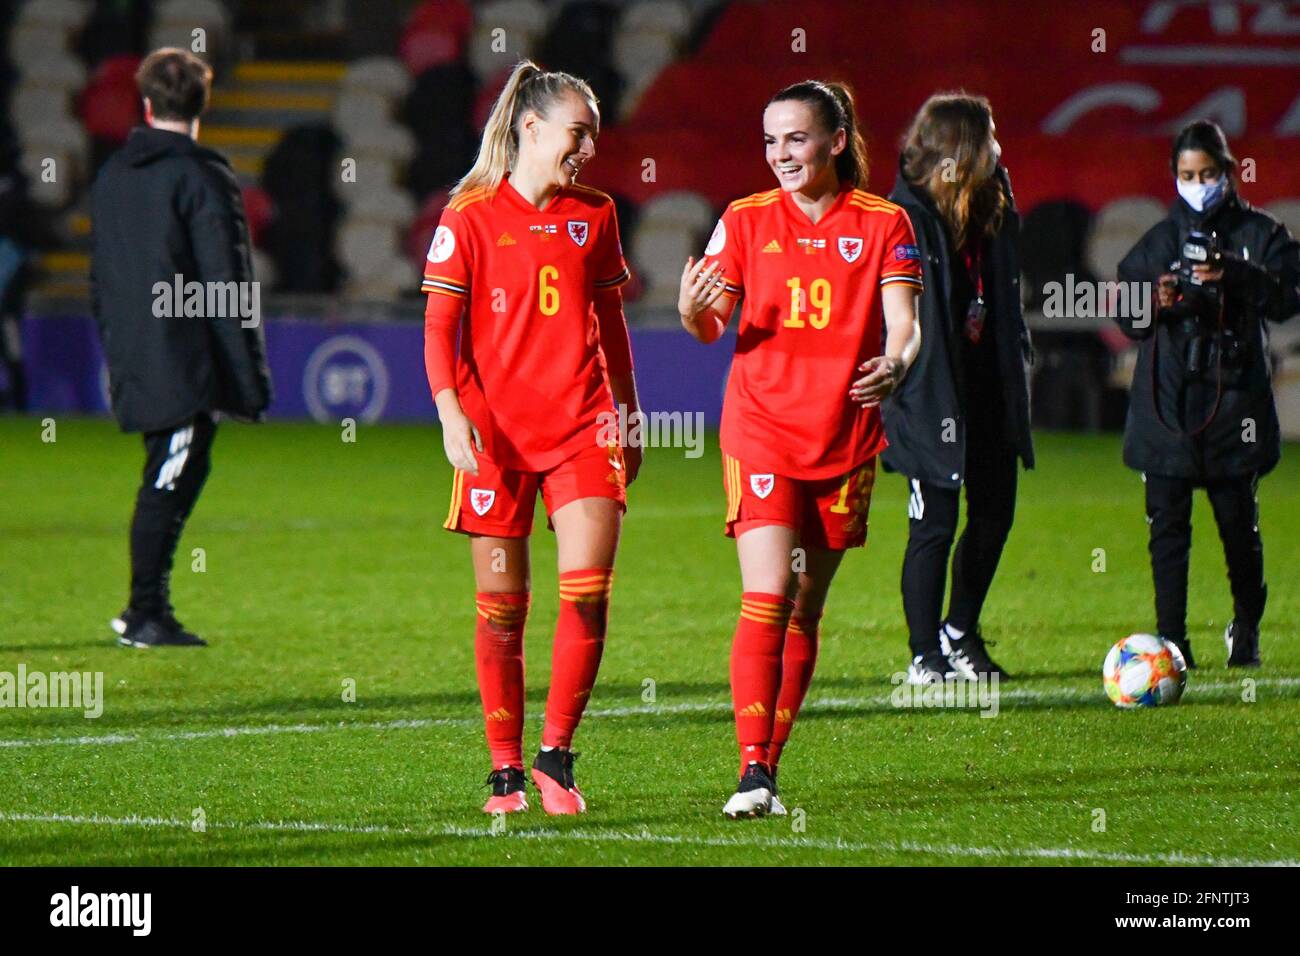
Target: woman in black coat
(1201, 412)
(961, 416)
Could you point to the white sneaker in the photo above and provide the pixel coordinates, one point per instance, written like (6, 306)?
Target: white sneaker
(929, 668)
(954, 653)
(120, 623)
(753, 796)
(962, 665)
(777, 809)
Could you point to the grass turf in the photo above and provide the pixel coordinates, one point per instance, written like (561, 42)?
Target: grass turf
(325, 562)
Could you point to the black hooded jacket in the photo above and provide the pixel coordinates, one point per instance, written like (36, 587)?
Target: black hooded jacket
(164, 206)
(922, 442)
(1222, 422)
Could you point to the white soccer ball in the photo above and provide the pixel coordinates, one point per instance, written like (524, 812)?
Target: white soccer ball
(1144, 670)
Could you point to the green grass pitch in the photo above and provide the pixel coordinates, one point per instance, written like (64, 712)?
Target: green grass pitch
(326, 562)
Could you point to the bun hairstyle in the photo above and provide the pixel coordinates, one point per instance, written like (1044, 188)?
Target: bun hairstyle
(832, 104)
(528, 88)
(947, 153)
(1208, 137)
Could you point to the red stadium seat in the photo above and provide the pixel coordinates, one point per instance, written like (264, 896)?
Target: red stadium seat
(110, 104)
(436, 34)
(259, 210)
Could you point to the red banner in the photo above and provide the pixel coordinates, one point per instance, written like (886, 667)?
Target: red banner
(1086, 96)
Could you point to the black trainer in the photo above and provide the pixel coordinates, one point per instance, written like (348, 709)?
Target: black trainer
(929, 668)
(1184, 646)
(969, 657)
(159, 632)
(553, 777)
(753, 796)
(1243, 644)
(558, 765)
(506, 781)
(757, 777)
(507, 791)
(777, 808)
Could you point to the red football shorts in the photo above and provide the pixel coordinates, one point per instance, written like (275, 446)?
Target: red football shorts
(500, 501)
(827, 513)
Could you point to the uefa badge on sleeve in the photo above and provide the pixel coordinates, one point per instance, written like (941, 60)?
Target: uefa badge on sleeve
(718, 240)
(442, 246)
(578, 231)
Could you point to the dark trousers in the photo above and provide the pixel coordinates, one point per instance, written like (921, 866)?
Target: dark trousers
(177, 462)
(1236, 512)
(932, 523)
(14, 392)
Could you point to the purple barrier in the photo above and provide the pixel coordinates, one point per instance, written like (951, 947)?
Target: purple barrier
(370, 372)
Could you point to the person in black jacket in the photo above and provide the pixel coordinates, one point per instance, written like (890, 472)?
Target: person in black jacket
(16, 218)
(961, 416)
(1201, 410)
(168, 220)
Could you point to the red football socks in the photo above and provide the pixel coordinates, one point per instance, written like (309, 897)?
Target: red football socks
(499, 654)
(756, 671)
(801, 637)
(579, 641)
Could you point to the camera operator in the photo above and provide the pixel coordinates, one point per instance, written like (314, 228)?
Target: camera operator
(1201, 410)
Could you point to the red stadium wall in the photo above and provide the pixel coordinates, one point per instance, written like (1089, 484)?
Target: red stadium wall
(1074, 123)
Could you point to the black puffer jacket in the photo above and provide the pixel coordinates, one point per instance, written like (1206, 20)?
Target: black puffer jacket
(915, 415)
(1242, 435)
(161, 206)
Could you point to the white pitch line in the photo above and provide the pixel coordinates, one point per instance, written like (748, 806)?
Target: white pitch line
(249, 731)
(1060, 695)
(905, 847)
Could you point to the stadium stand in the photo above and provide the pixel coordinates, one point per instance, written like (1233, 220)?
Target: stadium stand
(295, 100)
(347, 122)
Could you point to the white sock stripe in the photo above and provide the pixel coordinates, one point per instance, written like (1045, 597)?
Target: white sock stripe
(916, 502)
(171, 469)
(179, 453)
(181, 438)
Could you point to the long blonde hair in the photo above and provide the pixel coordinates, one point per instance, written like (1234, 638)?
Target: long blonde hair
(529, 87)
(947, 152)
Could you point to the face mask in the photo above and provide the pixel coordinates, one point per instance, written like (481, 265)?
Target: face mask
(1201, 196)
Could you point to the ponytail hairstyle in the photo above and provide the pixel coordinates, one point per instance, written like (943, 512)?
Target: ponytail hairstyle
(947, 153)
(832, 103)
(1207, 136)
(528, 87)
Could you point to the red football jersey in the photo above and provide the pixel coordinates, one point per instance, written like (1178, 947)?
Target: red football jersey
(811, 315)
(530, 373)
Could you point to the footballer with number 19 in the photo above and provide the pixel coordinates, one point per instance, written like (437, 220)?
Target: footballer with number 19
(821, 264)
(527, 266)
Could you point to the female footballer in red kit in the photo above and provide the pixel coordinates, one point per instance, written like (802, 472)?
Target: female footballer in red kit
(527, 266)
(820, 264)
